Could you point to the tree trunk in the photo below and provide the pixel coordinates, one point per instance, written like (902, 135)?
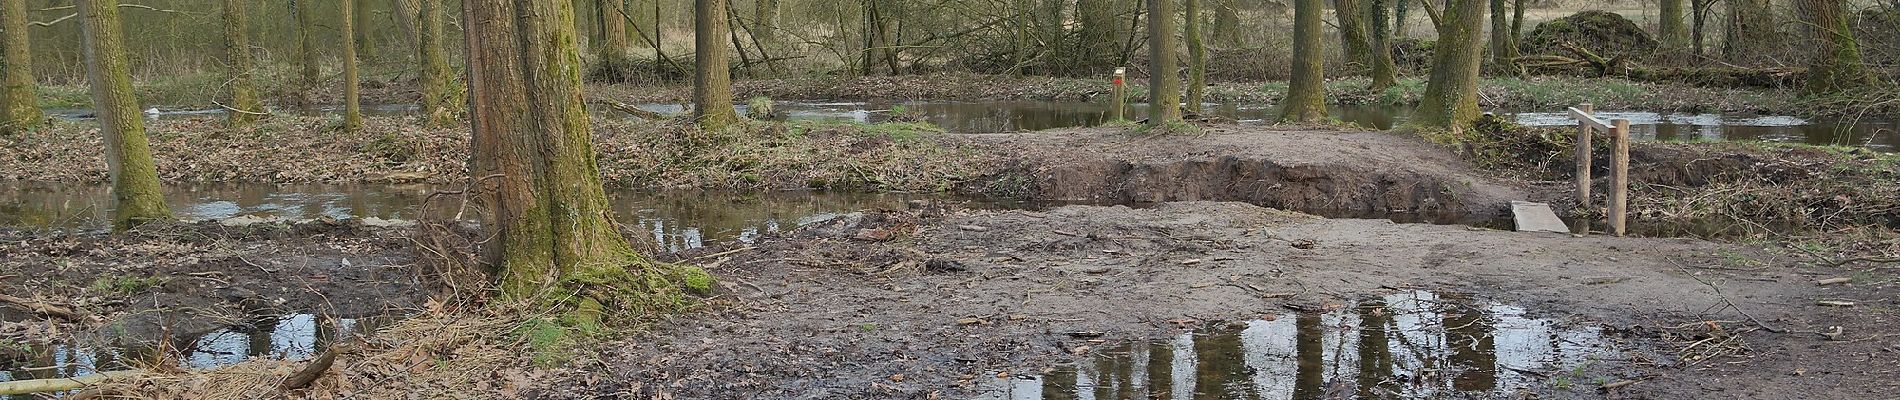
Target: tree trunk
(1306, 88)
(404, 15)
(533, 154)
(19, 104)
(1352, 31)
(1197, 58)
(244, 106)
(1226, 23)
(1672, 31)
(712, 79)
(766, 14)
(1384, 73)
(1751, 30)
(442, 101)
(352, 100)
(617, 45)
(306, 52)
(1101, 33)
(136, 195)
(1698, 31)
(1837, 65)
(1398, 18)
(1503, 46)
(1164, 77)
(359, 17)
(1451, 95)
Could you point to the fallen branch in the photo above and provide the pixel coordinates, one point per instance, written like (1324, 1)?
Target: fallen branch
(1731, 304)
(630, 109)
(43, 308)
(58, 384)
(310, 373)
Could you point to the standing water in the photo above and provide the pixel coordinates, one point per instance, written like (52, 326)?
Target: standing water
(1407, 345)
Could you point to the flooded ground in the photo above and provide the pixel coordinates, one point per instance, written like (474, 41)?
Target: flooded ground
(1024, 115)
(678, 220)
(287, 337)
(1405, 345)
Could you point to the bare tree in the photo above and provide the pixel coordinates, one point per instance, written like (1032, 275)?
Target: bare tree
(1164, 77)
(1451, 95)
(245, 106)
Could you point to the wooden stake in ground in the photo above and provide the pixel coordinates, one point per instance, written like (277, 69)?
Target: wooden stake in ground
(136, 196)
(1583, 158)
(1620, 177)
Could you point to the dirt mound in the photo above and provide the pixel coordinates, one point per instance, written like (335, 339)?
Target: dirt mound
(1328, 172)
(1606, 33)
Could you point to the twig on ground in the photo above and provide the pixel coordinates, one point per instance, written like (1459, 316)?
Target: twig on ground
(1725, 300)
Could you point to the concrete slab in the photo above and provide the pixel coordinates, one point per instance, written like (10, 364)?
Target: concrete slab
(1537, 217)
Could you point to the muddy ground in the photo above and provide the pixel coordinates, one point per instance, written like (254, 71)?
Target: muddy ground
(934, 302)
(836, 311)
(183, 279)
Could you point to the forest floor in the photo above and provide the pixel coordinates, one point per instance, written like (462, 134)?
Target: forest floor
(931, 302)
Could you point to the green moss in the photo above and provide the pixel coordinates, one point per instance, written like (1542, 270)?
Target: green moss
(696, 280)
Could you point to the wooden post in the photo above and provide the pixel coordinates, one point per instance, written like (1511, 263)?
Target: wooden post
(1620, 177)
(1583, 159)
(1120, 95)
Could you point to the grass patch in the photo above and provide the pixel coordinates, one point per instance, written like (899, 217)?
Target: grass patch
(126, 284)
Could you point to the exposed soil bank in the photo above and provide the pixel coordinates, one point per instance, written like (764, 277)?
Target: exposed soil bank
(938, 309)
(1357, 172)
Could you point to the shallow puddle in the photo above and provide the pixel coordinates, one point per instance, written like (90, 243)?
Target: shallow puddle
(288, 337)
(1408, 345)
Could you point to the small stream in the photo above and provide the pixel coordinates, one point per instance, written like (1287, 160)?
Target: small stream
(1411, 345)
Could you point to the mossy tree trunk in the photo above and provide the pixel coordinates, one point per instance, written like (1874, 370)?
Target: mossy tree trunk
(554, 241)
(1384, 72)
(352, 98)
(712, 79)
(1306, 88)
(1672, 30)
(442, 101)
(1451, 93)
(245, 106)
(19, 104)
(1838, 65)
(136, 195)
(306, 51)
(1503, 43)
(1197, 58)
(1164, 76)
(1352, 31)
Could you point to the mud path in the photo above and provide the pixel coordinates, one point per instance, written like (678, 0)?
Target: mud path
(1359, 173)
(891, 305)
